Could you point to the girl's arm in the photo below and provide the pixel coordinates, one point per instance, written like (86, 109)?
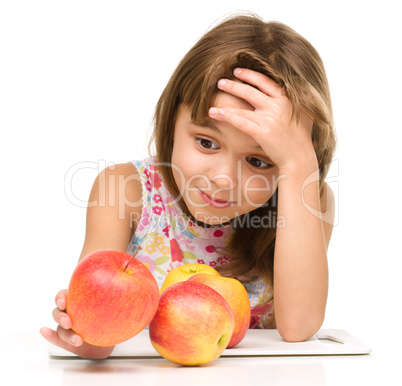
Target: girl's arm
(114, 205)
(300, 263)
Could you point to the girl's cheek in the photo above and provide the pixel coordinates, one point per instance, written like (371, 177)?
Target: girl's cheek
(256, 199)
(259, 188)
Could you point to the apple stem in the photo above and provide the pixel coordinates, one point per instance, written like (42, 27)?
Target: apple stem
(132, 257)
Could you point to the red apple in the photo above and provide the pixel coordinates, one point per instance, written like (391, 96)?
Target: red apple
(111, 297)
(193, 324)
(236, 296)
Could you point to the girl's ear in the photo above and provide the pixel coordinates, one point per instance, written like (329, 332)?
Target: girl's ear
(315, 144)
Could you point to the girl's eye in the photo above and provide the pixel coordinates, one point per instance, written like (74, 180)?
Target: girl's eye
(257, 163)
(206, 144)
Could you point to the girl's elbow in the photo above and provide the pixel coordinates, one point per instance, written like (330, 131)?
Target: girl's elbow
(299, 332)
(294, 335)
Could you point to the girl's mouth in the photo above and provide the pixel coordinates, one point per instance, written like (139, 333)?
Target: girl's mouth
(214, 202)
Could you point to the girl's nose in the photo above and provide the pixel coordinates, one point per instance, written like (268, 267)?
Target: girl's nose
(226, 176)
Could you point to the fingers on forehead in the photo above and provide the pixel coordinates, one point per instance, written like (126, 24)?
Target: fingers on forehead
(263, 82)
(243, 91)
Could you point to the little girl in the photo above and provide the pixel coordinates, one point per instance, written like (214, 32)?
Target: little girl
(243, 140)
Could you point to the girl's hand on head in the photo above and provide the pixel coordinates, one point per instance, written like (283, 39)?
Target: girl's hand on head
(284, 140)
(66, 338)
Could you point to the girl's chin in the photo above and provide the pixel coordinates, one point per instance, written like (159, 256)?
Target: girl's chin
(205, 215)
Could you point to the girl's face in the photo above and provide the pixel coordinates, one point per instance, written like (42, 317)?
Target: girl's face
(221, 172)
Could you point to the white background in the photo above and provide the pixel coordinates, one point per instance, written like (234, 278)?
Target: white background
(78, 84)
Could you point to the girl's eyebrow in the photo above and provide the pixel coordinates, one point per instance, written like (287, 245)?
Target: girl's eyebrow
(210, 126)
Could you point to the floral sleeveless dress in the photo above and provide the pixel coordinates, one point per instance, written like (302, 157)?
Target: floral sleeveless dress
(168, 239)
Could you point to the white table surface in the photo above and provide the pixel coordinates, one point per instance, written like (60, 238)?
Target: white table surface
(24, 360)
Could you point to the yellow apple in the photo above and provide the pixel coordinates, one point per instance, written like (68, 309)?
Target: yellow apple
(183, 272)
(236, 296)
(193, 324)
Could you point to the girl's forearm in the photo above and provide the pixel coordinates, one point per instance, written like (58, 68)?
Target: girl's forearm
(300, 264)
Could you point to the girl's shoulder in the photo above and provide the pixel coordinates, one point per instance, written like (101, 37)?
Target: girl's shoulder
(119, 177)
(123, 184)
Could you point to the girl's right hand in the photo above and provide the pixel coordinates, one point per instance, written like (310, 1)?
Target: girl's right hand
(66, 338)
(114, 233)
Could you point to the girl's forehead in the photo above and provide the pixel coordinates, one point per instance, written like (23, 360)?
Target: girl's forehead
(219, 99)
(222, 99)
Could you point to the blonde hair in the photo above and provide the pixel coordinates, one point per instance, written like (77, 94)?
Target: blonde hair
(277, 51)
